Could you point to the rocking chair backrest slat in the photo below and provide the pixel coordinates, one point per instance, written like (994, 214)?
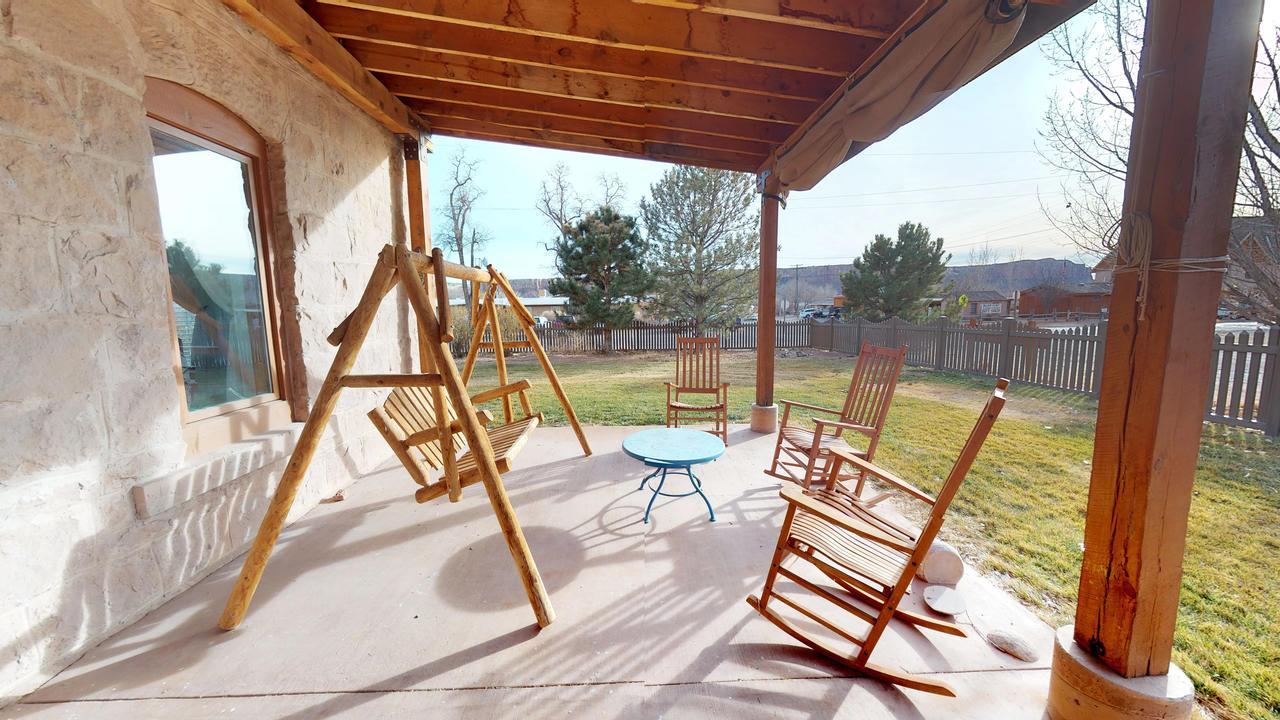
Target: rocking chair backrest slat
(874, 380)
(698, 363)
(960, 470)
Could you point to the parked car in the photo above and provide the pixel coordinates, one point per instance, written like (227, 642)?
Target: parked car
(809, 312)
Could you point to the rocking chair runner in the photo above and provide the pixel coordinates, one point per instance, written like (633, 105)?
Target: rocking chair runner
(870, 556)
(698, 373)
(801, 452)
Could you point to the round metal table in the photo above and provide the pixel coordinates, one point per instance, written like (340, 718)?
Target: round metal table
(676, 451)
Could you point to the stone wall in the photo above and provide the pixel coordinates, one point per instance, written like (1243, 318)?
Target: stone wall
(89, 408)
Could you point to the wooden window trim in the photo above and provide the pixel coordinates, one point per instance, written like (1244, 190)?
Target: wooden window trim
(184, 113)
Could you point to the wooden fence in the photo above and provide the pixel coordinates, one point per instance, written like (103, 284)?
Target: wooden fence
(1244, 390)
(640, 337)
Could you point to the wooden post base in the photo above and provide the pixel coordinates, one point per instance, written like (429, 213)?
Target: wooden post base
(1082, 688)
(764, 418)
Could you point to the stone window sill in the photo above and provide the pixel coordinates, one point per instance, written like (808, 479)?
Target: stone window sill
(213, 470)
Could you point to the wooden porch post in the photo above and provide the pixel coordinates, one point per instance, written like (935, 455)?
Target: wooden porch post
(1194, 84)
(764, 413)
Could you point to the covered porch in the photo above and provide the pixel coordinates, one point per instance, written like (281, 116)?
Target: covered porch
(379, 607)
(651, 619)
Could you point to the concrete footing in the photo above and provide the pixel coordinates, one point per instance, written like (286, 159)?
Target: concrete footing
(1082, 688)
(764, 418)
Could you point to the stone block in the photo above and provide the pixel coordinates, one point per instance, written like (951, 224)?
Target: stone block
(78, 33)
(54, 184)
(108, 274)
(143, 413)
(29, 284)
(113, 123)
(51, 435)
(41, 550)
(49, 359)
(41, 99)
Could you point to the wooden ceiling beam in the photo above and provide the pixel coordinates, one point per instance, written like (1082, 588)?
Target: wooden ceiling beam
(291, 28)
(527, 49)
(477, 130)
(558, 106)
(433, 109)
(650, 28)
(868, 18)
(388, 60)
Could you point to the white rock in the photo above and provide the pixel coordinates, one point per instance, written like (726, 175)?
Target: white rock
(1014, 645)
(942, 565)
(944, 599)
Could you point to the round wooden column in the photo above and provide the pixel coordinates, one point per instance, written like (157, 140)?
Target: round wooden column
(764, 413)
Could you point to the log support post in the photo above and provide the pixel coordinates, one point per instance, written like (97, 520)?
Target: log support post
(764, 413)
(1194, 85)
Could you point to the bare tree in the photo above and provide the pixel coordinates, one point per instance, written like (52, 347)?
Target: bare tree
(612, 191)
(1087, 131)
(559, 202)
(461, 235)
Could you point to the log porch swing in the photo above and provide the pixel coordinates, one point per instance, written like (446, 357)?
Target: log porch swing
(426, 410)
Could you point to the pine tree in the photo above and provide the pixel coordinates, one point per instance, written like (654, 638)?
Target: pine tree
(601, 262)
(706, 243)
(894, 277)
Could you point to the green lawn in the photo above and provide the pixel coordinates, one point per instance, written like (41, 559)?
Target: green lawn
(1020, 516)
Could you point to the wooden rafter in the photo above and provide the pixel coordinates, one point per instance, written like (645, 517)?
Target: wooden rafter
(386, 60)
(618, 131)
(560, 106)
(655, 29)
(480, 130)
(291, 28)
(868, 19)
(427, 33)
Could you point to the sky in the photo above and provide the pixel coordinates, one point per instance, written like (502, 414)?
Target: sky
(968, 169)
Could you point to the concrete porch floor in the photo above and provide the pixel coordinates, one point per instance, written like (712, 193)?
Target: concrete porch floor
(379, 607)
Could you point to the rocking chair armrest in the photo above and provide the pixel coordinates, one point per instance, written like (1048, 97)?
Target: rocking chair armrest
(789, 404)
(796, 496)
(844, 426)
(884, 475)
(495, 393)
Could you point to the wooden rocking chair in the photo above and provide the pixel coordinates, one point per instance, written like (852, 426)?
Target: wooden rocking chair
(409, 423)
(801, 451)
(871, 557)
(698, 373)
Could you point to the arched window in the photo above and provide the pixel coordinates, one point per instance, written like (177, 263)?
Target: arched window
(209, 167)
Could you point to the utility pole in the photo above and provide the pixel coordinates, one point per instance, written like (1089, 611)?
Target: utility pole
(795, 291)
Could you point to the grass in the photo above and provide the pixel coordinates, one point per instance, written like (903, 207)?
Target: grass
(1020, 516)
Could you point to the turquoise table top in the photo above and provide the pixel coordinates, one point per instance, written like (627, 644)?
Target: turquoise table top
(673, 446)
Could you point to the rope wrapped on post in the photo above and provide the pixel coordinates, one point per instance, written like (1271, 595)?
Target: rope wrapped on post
(1130, 240)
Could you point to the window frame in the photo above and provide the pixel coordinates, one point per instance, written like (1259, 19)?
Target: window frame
(179, 111)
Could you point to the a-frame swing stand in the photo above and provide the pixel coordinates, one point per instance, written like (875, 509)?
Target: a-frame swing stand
(400, 265)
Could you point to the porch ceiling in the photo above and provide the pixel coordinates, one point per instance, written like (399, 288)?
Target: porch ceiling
(718, 83)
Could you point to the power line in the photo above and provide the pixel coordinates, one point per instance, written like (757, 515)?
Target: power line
(958, 152)
(916, 202)
(928, 189)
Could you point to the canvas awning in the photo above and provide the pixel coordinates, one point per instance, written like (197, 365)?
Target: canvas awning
(952, 43)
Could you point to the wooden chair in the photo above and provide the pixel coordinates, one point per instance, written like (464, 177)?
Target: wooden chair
(698, 373)
(409, 423)
(801, 451)
(870, 556)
